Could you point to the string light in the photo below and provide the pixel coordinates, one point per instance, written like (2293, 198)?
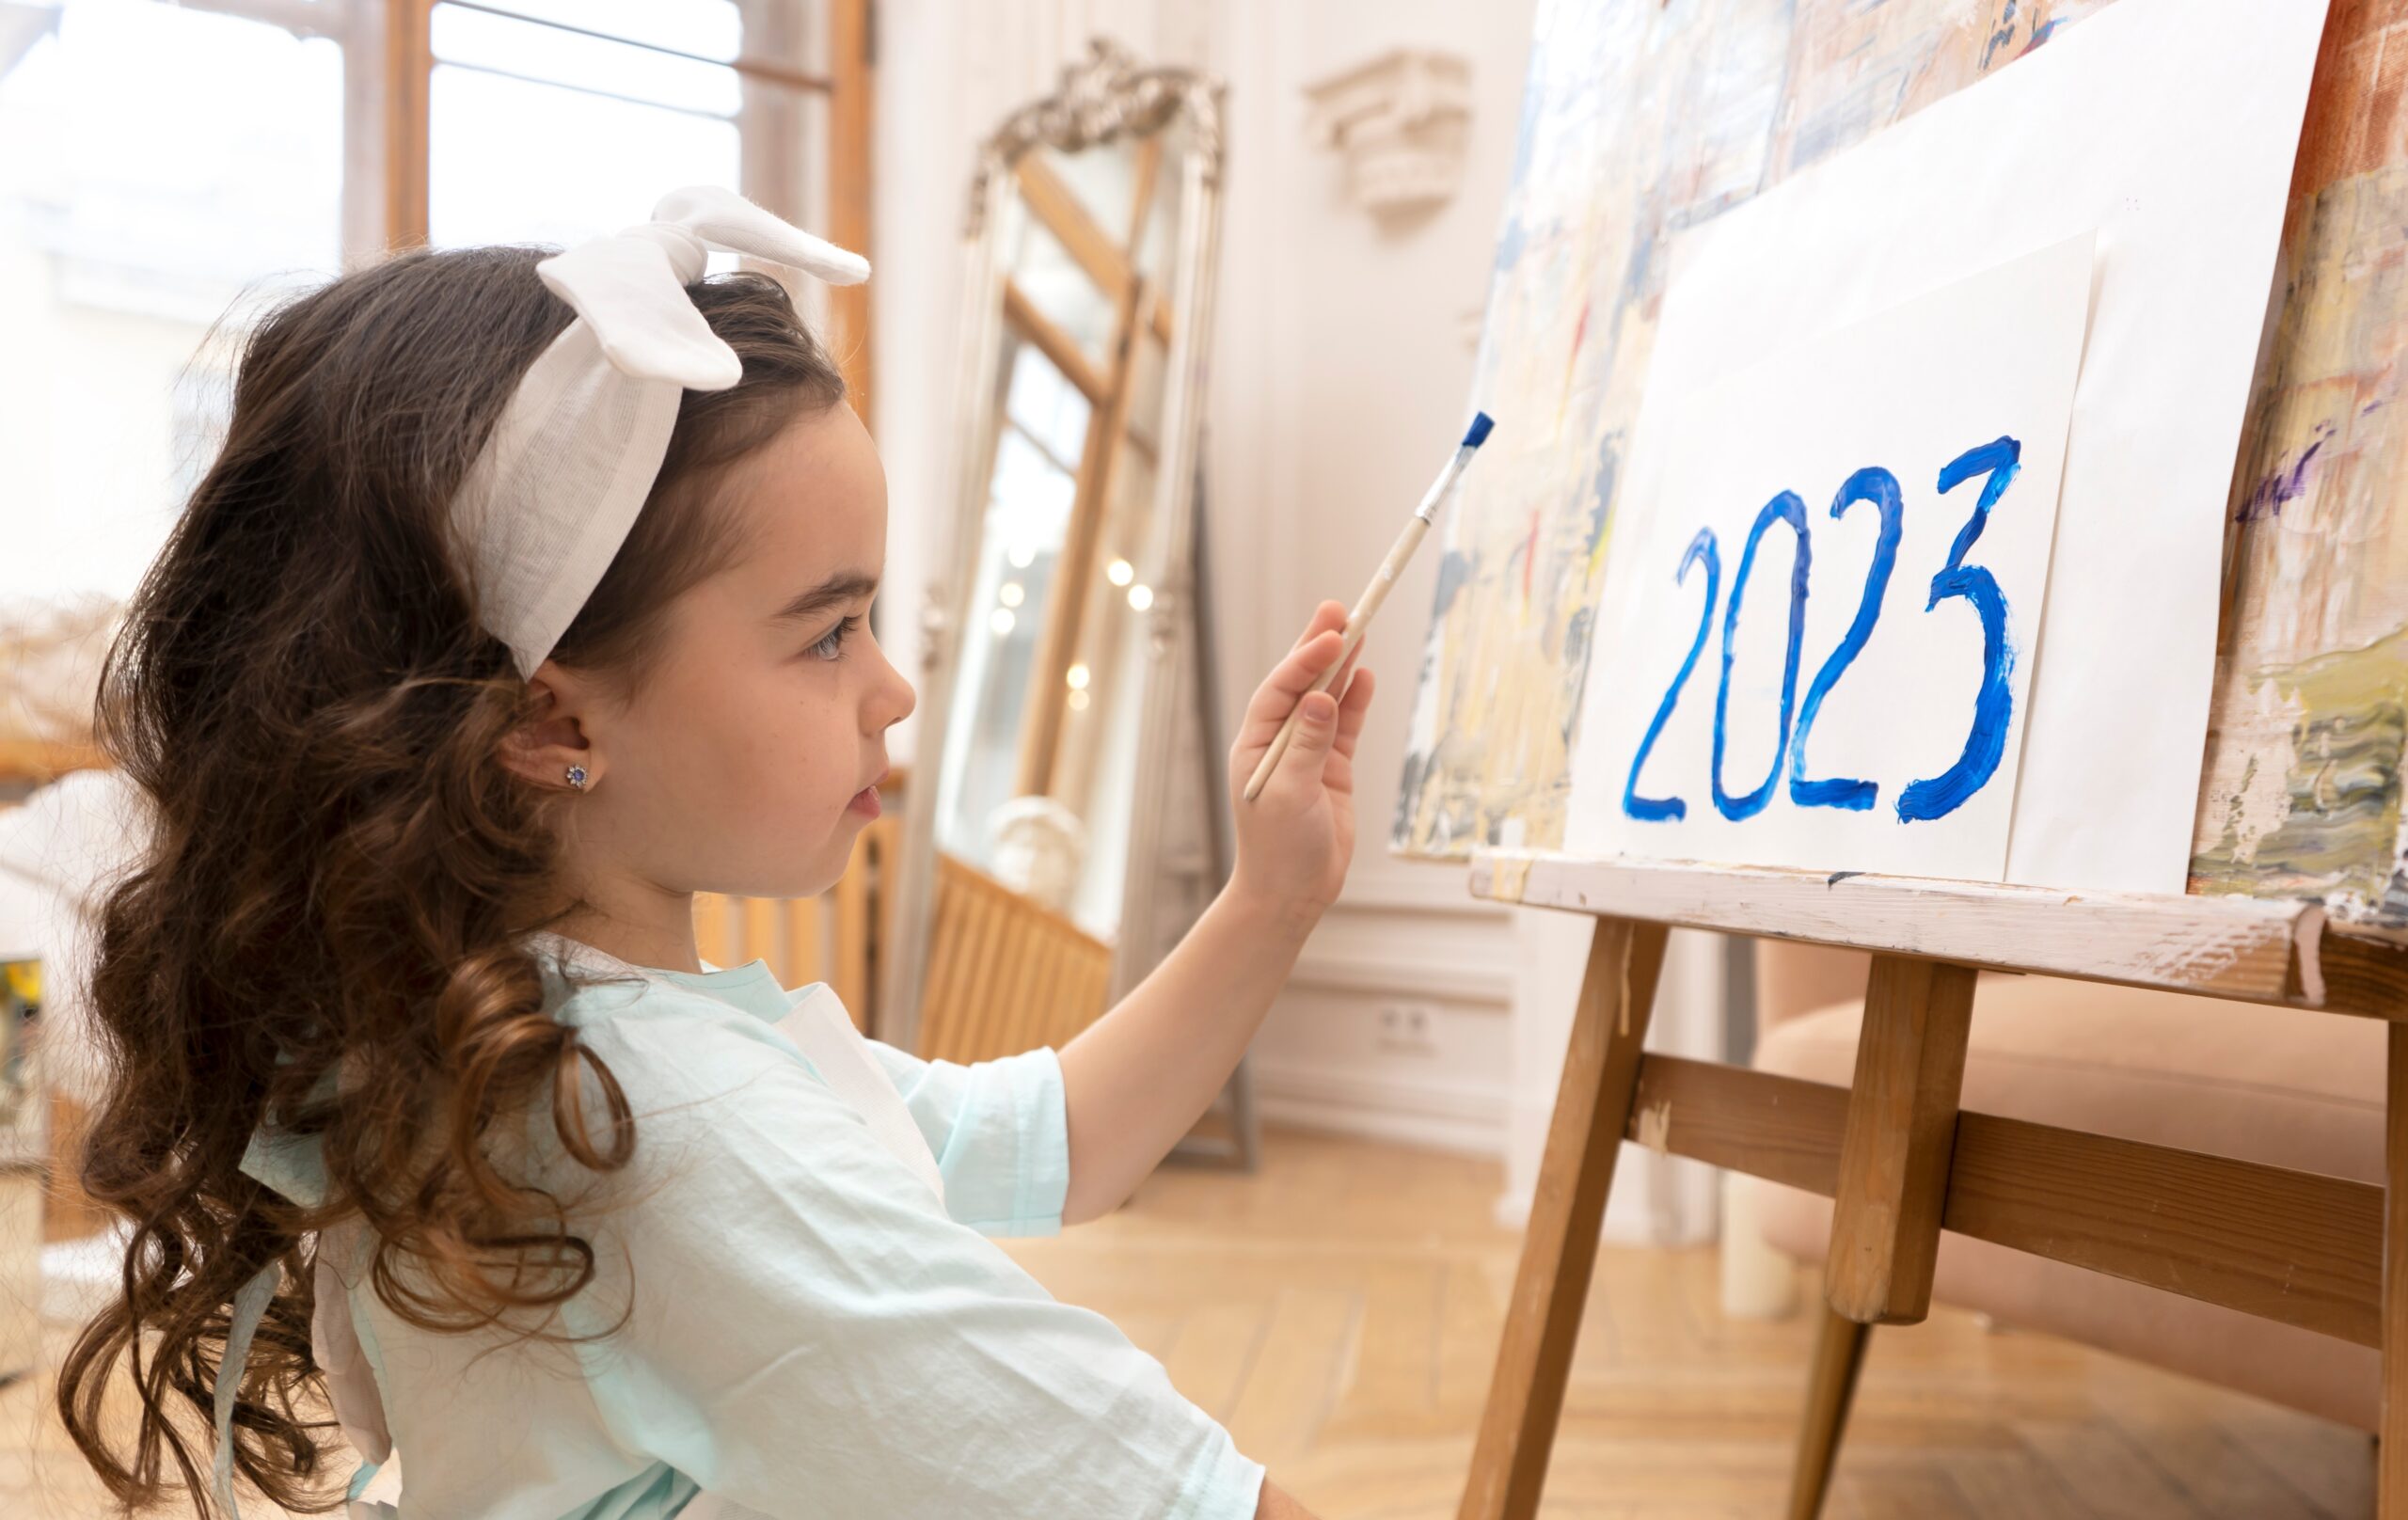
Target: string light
(1002, 621)
(1010, 594)
(1120, 572)
(1077, 678)
(1078, 701)
(1141, 597)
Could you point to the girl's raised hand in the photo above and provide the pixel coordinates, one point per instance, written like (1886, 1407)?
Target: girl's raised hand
(1296, 838)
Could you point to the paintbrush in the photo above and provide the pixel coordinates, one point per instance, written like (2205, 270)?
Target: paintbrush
(1368, 603)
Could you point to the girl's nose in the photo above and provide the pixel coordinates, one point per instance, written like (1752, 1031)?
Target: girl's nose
(894, 699)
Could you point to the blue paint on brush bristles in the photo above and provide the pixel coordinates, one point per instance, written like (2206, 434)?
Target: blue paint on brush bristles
(1478, 433)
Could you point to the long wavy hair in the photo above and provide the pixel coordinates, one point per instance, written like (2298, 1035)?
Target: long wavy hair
(322, 925)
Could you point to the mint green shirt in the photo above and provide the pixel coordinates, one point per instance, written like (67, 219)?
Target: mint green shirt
(784, 1318)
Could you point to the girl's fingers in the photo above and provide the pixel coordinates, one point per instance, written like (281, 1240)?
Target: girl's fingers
(1287, 682)
(1345, 673)
(1286, 685)
(1350, 712)
(1337, 773)
(1302, 765)
(1327, 615)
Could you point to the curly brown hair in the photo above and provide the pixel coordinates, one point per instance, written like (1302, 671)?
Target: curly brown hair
(323, 926)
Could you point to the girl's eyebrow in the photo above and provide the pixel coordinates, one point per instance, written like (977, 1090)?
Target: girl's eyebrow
(843, 586)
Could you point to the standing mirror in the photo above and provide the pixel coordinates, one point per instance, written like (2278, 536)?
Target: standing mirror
(1063, 824)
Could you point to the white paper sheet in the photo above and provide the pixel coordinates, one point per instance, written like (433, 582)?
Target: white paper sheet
(2168, 126)
(1883, 734)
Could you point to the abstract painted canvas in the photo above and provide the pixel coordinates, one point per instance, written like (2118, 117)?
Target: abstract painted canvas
(1642, 120)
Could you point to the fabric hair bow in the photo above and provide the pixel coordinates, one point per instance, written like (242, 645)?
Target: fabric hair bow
(554, 491)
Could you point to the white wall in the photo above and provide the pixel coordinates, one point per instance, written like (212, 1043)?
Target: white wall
(1341, 366)
(1340, 381)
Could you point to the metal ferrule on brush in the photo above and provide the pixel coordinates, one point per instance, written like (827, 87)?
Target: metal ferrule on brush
(1443, 487)
(1444, 484)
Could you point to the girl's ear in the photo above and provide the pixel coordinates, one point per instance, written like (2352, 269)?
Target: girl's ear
(552, 750)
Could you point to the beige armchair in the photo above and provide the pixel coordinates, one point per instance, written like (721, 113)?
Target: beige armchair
(2300, 1090)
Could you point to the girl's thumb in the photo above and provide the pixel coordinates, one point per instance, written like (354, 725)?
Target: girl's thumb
(1316, 727)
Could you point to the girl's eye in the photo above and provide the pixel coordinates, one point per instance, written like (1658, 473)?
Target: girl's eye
(832, 645)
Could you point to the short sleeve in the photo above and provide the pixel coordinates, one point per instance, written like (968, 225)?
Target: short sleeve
(1000, 1132)
(781, 1315)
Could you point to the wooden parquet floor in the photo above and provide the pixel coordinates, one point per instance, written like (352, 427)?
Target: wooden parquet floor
(1341, 1314)
(1341, 1310)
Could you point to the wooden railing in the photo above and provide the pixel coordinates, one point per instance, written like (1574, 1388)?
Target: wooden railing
(832, 938)
(1006, 974)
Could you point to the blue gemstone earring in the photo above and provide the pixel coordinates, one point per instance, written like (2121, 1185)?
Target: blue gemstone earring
(577, 777)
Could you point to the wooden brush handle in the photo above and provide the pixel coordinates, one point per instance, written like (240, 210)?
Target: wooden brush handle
(1356, 621)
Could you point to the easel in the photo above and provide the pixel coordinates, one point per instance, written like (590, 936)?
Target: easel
(1900, 1162)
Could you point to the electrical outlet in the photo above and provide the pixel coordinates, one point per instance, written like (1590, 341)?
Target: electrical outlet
(1406, 1026)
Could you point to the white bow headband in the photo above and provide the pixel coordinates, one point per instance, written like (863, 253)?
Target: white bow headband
(556, 488)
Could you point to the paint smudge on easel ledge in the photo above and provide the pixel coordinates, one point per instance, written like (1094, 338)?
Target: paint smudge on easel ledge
(1655, 1127)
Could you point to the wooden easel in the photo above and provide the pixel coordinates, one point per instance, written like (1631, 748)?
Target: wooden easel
(1900, 1162)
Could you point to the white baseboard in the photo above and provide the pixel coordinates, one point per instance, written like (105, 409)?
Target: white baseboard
(1511, 1210)
(1477, 988)
(1400, 1110)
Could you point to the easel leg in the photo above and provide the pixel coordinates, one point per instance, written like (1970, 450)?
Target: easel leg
(1560, 1249)
(1901, 1130)
(1839, 1352)
(2391, 1453)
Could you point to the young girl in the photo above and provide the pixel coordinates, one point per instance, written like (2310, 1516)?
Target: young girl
(527, 598)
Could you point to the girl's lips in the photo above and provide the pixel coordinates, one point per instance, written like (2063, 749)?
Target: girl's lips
(864, 802)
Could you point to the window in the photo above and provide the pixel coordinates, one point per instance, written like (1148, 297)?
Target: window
(166, 169)
(161, 167)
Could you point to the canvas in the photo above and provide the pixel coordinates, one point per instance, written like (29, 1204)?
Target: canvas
(1642, 120)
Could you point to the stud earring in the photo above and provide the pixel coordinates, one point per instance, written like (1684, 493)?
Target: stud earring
(577, 777)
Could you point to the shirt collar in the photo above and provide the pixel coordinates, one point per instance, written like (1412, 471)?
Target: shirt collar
(751, 987)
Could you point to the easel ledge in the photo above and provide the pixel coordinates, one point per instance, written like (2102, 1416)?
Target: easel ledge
(1900, 1160)
(2249, 949)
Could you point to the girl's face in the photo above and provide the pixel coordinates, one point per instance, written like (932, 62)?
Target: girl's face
(748, 761)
